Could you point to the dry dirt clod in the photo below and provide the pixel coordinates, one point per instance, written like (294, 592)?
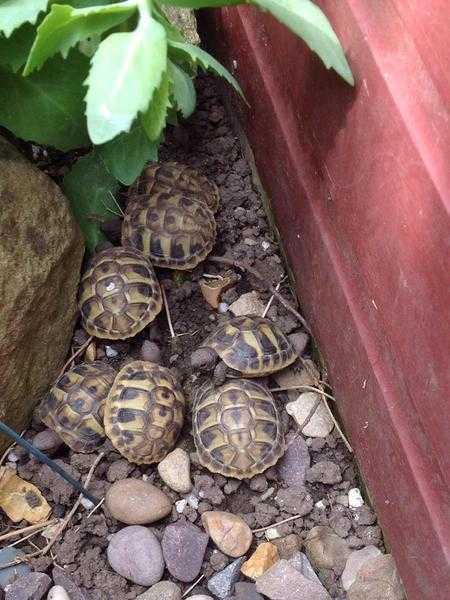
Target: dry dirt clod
(137, 502)
(230, 533)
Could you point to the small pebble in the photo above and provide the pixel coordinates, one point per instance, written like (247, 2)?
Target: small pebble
(180, 505)
(248, 304)
(32, 586)
(86, 503)
(184, 546)
(223, 308)
(342, 499)
(265, 555)
(272, 533)
(221, 584)
(326, 550)
(61, 578)
(258, 483)
(137, 502)
(174, 470)
(355, 500)
(163, 590)
(230, 533)
(232, 486)
(57, 592)
(119, 469)
(320, 424)
(111, 352)
(135, 553)
(10, 574)
(324, 471)
(267, 494)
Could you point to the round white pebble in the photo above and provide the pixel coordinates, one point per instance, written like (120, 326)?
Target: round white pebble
(223, 307)
(355, 500)
(57, 592)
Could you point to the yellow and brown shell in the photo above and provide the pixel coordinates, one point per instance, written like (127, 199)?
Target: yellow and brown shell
(74, 406)
(172, 177)
(119, 294)
(252, 345)
(172, 230)
(144, 412)
(237, 429)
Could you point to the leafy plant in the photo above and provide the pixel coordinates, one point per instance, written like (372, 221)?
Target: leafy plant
(111, 74)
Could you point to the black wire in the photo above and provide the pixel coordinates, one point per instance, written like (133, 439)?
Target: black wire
(48, 461)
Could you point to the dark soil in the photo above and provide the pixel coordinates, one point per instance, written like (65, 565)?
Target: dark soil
(208, 143)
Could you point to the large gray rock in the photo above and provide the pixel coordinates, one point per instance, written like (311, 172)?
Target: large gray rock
(41, 249)
(33, 586)
(10, 574)
(377, 579)
(283, 581)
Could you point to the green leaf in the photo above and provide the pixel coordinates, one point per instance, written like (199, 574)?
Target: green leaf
(205, 61)
(90, 189)
(15, 49)
(125, 71)
(308, 21)
(65, 26)
(126, 155)
(154, 118)
(202, 3)
(183, 90)
(47, 107)
(13, 13)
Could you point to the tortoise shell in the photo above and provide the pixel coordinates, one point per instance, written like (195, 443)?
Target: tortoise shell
(172, 177)
(74, 406)
(173, 230)
(119, 294)
(144, 412)
(237, 429)
(252, 345)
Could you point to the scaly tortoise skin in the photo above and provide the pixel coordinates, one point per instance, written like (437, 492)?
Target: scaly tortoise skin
(172, 176)
(74, 406)
(119, 294)
(144, 412)
(172, 230)
(251, 345)
(237, 429)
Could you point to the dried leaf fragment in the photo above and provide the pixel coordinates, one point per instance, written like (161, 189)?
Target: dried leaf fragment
(212, 289)
(21, 499)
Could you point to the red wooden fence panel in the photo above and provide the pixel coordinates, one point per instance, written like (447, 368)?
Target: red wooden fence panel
(359, 181)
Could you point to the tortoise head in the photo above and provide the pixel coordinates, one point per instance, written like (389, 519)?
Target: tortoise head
(204, 358)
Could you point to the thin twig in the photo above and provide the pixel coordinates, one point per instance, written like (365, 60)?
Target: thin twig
(96, 507)
(24, 538)
(311, 413)
(302, 387)
(75, 354)
(276, 524)
(336, 424)
(245, 267)
(8, 449)
(269, 304)
(191, 587)
(63, 524)
(116, 203)
(166, 306)
(24, 530)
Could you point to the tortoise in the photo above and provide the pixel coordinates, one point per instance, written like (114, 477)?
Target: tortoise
(237, 429)
(170, 176)
(173, 230)
(144, 412)
(252, 346)
(74, 406)
(119, 294)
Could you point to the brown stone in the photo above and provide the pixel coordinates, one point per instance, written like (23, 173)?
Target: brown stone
(265, 555)
(377, 578)
(137, 502)
(326, 550)
(41, 249)
(230, 533)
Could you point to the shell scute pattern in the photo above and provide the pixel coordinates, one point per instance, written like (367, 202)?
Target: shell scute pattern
(172, 229)
(119, 294)
(170, 176)
(252, 345)
(74, 406)
(144, 412)
(237, 429)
